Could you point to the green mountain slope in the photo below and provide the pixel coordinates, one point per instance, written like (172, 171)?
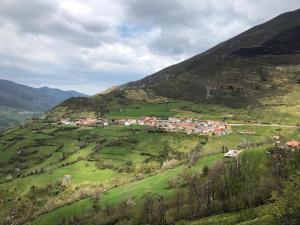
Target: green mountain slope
(249, 70)
(237, 72)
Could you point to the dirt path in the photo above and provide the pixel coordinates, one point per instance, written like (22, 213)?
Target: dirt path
(263, 125)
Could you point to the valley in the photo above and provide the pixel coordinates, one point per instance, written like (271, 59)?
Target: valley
(117, 163)
(212, 140)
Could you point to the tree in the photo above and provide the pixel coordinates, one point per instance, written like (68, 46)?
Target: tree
(96, 202)
(161, 210)
(205, 170)
(148, 209)
(64, 156)
(287, 207)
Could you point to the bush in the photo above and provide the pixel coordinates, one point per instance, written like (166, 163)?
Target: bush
(287, 207)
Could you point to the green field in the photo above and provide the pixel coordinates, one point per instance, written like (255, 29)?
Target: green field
(254, 216)
(286, 113)
(123, 162)
(157, 184)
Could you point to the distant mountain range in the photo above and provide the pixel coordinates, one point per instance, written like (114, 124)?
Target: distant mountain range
(23, 97)
(19, 102)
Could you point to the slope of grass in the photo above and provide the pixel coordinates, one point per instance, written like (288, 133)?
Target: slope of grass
(256, 216)
(138, 110)
(77, 208)
(56, 149)
(231, 141)
(81, 172)
(157, 184)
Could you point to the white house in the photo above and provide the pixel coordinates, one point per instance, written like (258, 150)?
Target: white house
(231, 154)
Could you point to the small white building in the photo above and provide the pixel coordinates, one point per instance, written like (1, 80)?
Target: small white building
(130, 122)
(231, 154)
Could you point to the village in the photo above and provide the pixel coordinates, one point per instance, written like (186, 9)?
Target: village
(185, 125)
(171, 124)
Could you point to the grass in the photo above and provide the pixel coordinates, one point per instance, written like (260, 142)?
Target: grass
(78, 208)
(120, 146)
(82, 172)
(157, 184)
(44, 146)
(256, 216)
(215, 143)
(138, 110)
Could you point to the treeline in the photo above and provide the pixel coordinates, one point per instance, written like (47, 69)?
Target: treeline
(228, 186)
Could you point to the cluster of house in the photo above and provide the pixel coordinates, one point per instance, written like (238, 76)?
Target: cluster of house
(186, 125)
(25, 113)
(85, 122)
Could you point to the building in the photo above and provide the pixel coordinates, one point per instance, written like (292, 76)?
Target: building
(231, 154)
(130, 122)
(293, 144)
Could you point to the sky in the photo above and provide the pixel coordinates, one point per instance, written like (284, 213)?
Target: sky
(91, 45)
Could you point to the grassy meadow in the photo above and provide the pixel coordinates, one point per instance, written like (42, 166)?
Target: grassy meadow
(121, 163)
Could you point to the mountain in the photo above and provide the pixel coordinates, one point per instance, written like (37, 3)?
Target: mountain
(240, 70)
(16, 97)
(32, 99)
(249, 70)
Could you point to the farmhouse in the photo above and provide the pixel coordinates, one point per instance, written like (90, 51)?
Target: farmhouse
(293, 144)
(231, 154)
(130, 122)
(87, 122)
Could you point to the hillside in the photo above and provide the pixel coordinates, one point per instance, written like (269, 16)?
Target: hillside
(32, 99)
(19, 102)
(258, 69)
(239, 71)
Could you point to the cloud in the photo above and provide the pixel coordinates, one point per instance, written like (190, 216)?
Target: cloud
(93, 44)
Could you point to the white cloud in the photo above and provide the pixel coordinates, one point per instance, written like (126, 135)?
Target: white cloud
(93, 44)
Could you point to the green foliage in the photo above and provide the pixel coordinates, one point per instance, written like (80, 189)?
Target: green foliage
(286, 210)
